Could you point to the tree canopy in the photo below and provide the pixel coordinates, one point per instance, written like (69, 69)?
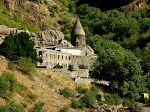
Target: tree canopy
(16, 46)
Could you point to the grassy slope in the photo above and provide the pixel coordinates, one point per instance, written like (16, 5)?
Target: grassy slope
(39, 87)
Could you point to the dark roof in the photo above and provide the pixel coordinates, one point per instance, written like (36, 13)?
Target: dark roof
(78, 29)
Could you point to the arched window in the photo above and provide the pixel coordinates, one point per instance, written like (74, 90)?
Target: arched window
(58, 56)
(62, 56)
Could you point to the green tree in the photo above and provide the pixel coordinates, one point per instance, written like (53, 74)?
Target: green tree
(8, 84)
(16, 46)
(26, 65)
(117, 65)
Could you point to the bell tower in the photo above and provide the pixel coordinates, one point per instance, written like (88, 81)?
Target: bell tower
(78, 35)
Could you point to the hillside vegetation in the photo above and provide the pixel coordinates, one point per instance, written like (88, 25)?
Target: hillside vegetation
(37, 89)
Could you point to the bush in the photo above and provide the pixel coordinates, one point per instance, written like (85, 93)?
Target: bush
(58, 66)
(113, 99)
(81, 89)
(70, 67)
(65, 108)
(45, 1)
(89, 99)
(66, 92)
(8, 84)
(32, 96)
(52, 14)
(134, 108)
(11, 66)
(82, 66)
(77, 104)
(10, 107)
(51, 84)
(26, 65)
(38, 107)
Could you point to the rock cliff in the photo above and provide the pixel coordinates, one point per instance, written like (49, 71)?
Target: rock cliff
(42, 38)
(136, 5)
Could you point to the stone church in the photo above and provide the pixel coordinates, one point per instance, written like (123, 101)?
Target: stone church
(64, 53)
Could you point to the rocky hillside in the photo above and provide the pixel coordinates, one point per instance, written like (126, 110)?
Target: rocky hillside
(37, 89)
(105, 5)
(42, 14)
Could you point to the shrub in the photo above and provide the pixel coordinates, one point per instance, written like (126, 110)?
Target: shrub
(113, 99)
(77, 104)
(58, 66)
(45, 1)
(65, 108)
(26, 65)
(10, 107)
(134, 108)
(109, 99)
(52, 14)
(93, 88)
(89, 99)
(66, 92)
(117, 99)
(8, 84)
(82, 66)
(32, 96)
(51, 84)
(11, 66)
(38, 107)
(70, 67)
(81, 89)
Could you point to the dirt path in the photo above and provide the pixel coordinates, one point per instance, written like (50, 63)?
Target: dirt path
(146, 109)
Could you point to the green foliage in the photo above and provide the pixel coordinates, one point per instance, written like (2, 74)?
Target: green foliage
(58, 66)
(65, 108)
(82, 66)
(66, 92)
(32, 96)
(134, 108)
(71, 68)
(53, 14)
(11, 66)
(51, 84)
(38, 107)
(89, 99)
(81, 89)
(113, 99)
(16, 22)
(8, 84)
(17, 46)
(117, 65)
(45, 1)
(26, 65)
(10, 107)
(77, 104)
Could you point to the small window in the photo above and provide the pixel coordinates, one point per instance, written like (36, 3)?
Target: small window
(69, 58)
(62, 57)
(58, 56)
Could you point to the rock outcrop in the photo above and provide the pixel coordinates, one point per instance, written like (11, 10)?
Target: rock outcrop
(48, 37)
(43, 38)
(136, 5)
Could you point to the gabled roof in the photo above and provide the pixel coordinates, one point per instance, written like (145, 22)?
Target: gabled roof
(78, 29)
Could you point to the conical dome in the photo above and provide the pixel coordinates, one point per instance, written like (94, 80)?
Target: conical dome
(78, 29)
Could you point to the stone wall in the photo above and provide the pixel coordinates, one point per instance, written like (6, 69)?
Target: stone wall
(85, 60)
